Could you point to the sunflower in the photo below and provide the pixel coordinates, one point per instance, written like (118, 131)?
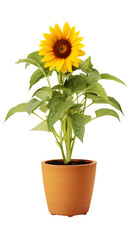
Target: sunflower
(61, 49)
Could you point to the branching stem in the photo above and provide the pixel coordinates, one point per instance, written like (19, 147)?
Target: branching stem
(89, 105)
(43, 73)
(76, 99)
(52, 129)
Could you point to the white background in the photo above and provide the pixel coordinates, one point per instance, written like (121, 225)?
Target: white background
(107, 27)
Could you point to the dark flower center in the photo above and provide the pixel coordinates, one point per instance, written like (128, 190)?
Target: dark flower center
(62, 48)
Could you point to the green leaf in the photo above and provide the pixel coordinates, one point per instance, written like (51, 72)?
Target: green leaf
(43, 107)
(19, 108)
(35, 59)
(41, 126)
(28, 61)
(66, 91)
(43, 93)
(111, 77)
(87, 118)
(67, 74)
(32, 105)
(94, 75)
(36, 76)
(60, 87)
(112, 101)
(78, 122)
(97, 88)
(86, 65)
(106, 112)
(94, 97)
(75, 107)
(27, 64)
(73, 69)
(115, 104)
(56, 97)
(79, 83)
(57, 105)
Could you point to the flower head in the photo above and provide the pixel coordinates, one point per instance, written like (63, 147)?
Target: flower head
(61, 49)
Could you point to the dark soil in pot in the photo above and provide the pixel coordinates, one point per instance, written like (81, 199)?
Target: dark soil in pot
(72, 162)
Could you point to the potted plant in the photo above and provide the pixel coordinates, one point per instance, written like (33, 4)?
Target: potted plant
(68, 182)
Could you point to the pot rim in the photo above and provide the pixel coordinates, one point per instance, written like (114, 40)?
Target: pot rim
(90, 162)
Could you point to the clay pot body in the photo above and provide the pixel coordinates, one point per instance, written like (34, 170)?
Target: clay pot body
(68, 188)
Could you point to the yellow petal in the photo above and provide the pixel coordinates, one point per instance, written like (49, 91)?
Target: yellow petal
(66, 30)
(55, 33)
(59, 64)
(75, 64)
(58, 29)
(43, 60)
(44, 51)
(49, 37)
(75, 51)
(47, 43)
(47, 64)
(80, 45)
(68, 64)
(72, 31)
(52, 67)
(63, 69)
(76, 41)
(81, 53)
(74, 36)
(54, 64)
(73, 58)
(78, 60)
(51, 62)
(46, 46)
(48, 58)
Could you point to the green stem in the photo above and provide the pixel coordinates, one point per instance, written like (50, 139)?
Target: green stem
(63, 80)
(60, 78)
(78, 97)
(63, 155)
(56, 138)
(46, 77)
(82, 100)
(69, 97)
(55, 134)
(43, 73)
(48, 82)
(38, 116)
(93, 119)
(61, 147)
(85, 103)
(67, 130)
(73, 144)
(89, 105)
(52, 129)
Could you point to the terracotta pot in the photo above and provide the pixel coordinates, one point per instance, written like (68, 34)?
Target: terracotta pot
(68, 188)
